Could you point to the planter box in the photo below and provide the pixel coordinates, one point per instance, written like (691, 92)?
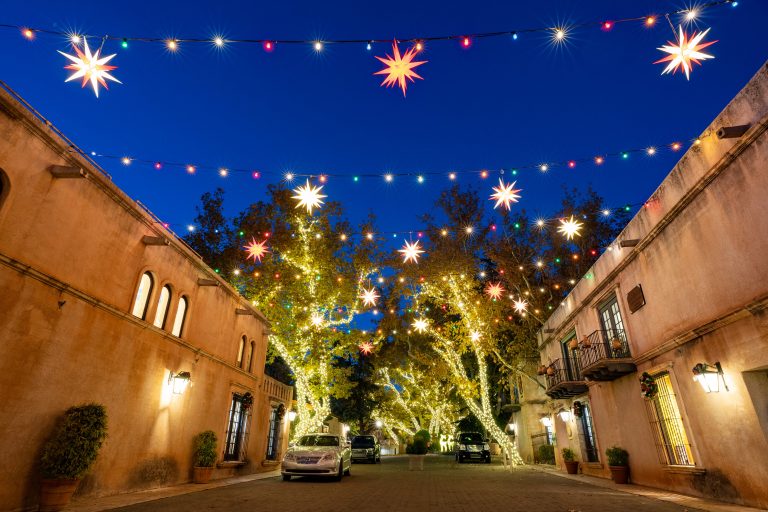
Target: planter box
(201, 475)
(56, 493)
(620, 474)
(571, 466)
(416, 462)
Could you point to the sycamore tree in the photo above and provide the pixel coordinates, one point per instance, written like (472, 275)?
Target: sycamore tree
(296, 263)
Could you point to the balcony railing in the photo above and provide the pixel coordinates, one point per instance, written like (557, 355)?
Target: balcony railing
(605, 355)
(564, 379)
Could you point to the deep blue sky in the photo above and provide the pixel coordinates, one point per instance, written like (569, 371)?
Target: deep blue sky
(497, 105)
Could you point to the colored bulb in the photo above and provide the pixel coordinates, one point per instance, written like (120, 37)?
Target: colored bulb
(124, 44)
(268, 46)
(28, 33)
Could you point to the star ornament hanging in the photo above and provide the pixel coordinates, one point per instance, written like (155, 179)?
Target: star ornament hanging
(366, 347)
(369, 297)
(256, 250)
(411, 252)
(685, 53)
(494, 290)
(308, 196)
(91, 67)
(420, 325)
(400, 69)
(505, 195)
(569, 228)
(521, 306)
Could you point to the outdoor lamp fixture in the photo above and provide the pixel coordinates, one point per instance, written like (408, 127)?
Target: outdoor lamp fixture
(379, 424)
(565, 416)
(546, 421)
(180, 381)
(709, 376)
(291, 416)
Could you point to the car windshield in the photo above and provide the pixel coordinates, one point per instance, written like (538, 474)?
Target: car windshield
(471, 438)
(363, 442)
(319, 441)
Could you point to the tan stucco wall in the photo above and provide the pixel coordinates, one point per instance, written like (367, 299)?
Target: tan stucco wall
(702, 265)
(71, 257)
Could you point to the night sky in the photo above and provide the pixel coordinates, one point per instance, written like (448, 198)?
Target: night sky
(499, 104)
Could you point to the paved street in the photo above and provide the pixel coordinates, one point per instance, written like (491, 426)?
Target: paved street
(442, 486)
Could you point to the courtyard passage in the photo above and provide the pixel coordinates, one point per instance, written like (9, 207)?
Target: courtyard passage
(442, 486)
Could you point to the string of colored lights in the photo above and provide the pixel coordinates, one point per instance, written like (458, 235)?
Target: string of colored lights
(389, 177)
(558, 33)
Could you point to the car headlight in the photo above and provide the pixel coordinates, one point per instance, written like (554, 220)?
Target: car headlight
(328, 457)
(486, 446)
(369, 450)
(463, 447)
(289, 456)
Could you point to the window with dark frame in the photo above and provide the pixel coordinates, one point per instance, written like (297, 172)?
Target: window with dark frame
(570, 358)
(588, 430)
(237, 429)
(143, 294)
(273, 435)
(181, 316)
(241, 351)
(672, 445)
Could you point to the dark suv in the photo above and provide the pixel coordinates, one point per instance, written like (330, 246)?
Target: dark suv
(366, 448)
(472, 446)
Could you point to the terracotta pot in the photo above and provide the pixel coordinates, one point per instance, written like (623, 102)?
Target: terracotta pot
(574, 343)
(620, 474)
(55, 493)
(572, 466)
(616, 344)
(541, 370)
(586, 343)
(550, 371)
(201, 475)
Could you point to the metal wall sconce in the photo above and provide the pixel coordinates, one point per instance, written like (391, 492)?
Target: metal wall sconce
(565, 416)
(291, 416)
(180, 381)
(546, 421)
(709, 376)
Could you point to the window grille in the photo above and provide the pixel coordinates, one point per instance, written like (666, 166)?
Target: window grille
(273, 436)
(671, 440)
(588, 429)
(237, 429)
(610, 317)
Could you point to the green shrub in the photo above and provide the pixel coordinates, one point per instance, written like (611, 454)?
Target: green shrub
(547, 454)
(617, 456)
(420, 443)
(568, 455)
(205, 449)
(75, 443)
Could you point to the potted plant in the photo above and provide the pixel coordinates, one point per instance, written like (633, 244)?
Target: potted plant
(417, 449)
(571, 464)
(586, 342)
(618, 462)
(204, 457)
(69, 454)
(573, 344)
(546, 454)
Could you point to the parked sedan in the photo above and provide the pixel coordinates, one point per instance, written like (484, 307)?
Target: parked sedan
(366, 448)
(317, 455)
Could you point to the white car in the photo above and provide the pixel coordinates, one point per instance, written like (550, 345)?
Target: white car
(317, 455)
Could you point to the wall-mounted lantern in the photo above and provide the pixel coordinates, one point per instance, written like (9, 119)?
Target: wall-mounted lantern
(291, 416)
(546, 421)
(709, 376)
(180, 381)
(379, 423)
(565, 416)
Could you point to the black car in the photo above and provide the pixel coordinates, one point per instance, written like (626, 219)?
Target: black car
(472, 446)
(366, 448)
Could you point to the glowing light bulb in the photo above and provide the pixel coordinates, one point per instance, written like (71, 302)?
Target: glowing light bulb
(28, 33)
(289, 176)
(191, 169)
(691, 14)
(343, 237)
(607, 25)
(468, 230)
(268, 46)
(190, 228)
(444, 232)
(75, 39)
(571, 164)
(539, 263)
(599, 160)
(514, 36)
(323, 178)
(466, 42)
(388, 178)
(650, 151)
(256, 175)
(158, 165)
(172, 45)
(368, 47)
(483, 174)
(218, 41)
(124, 44)
(650, 21)
(419, 46)
(126, 160)
(544, 167)
(420, 179)
(318, 46)
(223, 172)
(369, 236)
(676, 146)
(558, 35)
(452, 176)
(540, 223)
(606, 212)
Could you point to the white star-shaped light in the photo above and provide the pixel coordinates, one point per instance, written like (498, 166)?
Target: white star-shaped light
(308, 196)
(369, 297)
(256, 250)
(91, 67)
(317, 319)
(505, 194)
(411, 252)
(521, 306)
(569, 228)
(685, 53)
(474, 336)
(494, 290)
(420, 325)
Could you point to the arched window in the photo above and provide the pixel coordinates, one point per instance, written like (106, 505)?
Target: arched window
(241, 352)
(142, 296)
(163, 305)
(181, 316)
(3, 187)
(250, 356)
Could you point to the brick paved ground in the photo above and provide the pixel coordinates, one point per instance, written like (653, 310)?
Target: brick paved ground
(442, 486)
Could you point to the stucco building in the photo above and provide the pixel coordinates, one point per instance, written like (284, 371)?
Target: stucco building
(100, 303)
(680, 295)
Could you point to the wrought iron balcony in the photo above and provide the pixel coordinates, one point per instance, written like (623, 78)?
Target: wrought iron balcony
(604, 355)
(564, 379)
